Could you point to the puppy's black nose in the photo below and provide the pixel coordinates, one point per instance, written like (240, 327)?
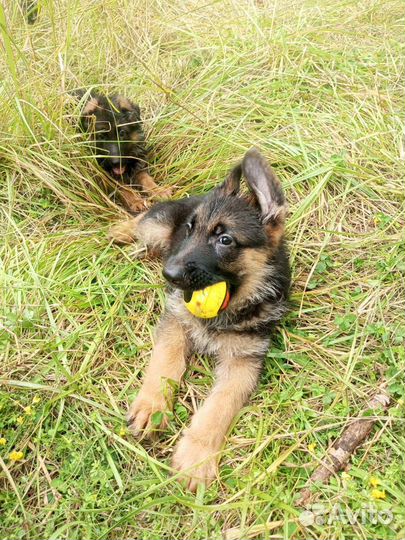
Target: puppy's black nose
(115, 161)
(173, 273)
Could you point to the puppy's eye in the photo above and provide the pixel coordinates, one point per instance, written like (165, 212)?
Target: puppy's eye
(122, 133)
(225, 240)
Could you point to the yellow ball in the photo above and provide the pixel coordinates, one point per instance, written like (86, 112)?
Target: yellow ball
(207, 303)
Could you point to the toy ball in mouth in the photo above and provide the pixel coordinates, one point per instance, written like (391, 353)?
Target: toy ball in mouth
(208, 302)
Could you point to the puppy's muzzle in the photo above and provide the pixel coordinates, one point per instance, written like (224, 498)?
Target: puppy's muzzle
(189, 276)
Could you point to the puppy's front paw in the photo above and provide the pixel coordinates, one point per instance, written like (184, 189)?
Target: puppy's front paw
(141, 417)
(137, 205)
(197, 460)
(164, 192)
(132, 200)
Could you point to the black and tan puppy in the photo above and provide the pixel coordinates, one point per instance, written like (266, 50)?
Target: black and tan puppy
(115, 125)
(224, 236)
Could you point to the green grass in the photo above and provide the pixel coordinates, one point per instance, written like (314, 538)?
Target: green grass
(318, 86)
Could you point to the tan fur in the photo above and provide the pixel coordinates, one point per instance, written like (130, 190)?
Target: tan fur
(197, 453)
(131, 199)
(233, 343)
(146, 182)
(125, 232)
(150, 187)
(155, 236)
(124, 103)
(253, 262)
(91, 106)
(275, 231)
(136, 137)
(167, 365)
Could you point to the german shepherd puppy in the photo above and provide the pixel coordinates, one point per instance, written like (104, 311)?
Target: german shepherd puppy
(223, 236)
(116, 128)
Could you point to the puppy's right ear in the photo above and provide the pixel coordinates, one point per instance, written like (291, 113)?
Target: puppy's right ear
(232, 184)
(265, 186)
(267, 192)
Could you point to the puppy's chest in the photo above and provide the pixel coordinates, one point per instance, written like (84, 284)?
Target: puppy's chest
(206, 339)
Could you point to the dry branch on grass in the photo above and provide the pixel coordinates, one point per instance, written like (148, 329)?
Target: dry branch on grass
(341, 451)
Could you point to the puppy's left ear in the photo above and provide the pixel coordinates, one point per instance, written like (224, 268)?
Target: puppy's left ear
(232, 183)
(267, 191)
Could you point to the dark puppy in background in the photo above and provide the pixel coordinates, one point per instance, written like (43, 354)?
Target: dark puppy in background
(30, 10)
(115, 125)
(223, 236)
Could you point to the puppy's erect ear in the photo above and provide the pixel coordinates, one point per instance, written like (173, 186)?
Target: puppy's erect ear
(267, 192)
(265, 186)
(132, 111)
(232, 183)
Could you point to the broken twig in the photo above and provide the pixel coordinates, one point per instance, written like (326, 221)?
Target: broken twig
(339, 454)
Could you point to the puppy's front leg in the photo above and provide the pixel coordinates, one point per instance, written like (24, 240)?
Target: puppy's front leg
(166, 366)
(197, 452)
(149, 186)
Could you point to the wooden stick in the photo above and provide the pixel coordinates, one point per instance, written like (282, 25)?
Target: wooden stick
(341, 451)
